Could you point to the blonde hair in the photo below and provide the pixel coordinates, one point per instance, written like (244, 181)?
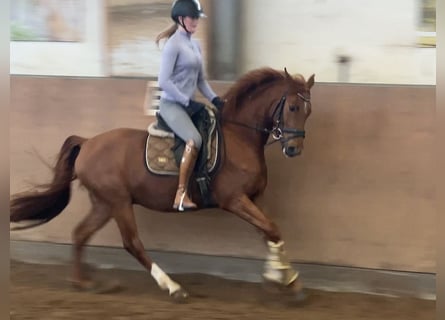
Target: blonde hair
(167, 33)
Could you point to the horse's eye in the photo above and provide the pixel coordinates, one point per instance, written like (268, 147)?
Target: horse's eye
(294, 108)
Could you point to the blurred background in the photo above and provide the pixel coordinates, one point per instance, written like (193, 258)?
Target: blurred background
(391, 41)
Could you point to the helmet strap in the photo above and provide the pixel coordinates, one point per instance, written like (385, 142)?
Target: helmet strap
(182, 24)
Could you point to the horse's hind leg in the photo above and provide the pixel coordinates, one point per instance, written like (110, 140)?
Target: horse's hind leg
(124, 215)
(98, 216)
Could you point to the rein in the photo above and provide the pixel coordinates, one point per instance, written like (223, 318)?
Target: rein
(277, 131)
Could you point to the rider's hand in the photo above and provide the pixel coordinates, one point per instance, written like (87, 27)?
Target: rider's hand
(194, 107)
(218, 103)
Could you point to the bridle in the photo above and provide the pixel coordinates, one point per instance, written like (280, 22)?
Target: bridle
(278, 131)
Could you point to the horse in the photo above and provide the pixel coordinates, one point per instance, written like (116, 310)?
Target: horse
(261, 104)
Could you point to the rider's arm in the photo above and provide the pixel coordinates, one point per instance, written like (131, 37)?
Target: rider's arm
(203, 85)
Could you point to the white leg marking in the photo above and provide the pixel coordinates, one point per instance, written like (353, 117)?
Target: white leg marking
(163, 280)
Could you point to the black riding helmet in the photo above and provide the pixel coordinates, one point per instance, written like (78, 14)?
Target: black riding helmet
(186, 8)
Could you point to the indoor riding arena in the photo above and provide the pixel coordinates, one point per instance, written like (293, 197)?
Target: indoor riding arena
(355, 210)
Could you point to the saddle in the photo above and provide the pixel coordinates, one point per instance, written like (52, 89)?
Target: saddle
(164, 149)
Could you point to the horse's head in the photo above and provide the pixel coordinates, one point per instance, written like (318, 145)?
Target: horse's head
(291, 113)
(276, 101)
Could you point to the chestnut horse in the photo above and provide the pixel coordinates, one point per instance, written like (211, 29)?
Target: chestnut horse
(262, 103)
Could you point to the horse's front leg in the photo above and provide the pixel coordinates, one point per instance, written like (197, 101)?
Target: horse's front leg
(277, 268)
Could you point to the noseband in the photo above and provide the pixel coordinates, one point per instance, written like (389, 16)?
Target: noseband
(278, 130)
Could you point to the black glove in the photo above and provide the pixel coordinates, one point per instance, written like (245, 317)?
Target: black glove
(218, 103)
(194, 107)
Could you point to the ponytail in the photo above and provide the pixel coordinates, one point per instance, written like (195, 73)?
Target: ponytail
(167, 33)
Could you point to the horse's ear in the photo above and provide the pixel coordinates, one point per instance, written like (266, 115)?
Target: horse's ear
(311, 81)
(288, 76)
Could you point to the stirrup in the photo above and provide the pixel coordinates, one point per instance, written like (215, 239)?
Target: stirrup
(180, 207)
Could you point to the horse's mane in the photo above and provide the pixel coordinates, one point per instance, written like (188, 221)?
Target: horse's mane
(255, 79)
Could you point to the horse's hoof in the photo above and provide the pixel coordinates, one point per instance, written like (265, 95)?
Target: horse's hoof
(301, 296)
(180, 296)
(96, 287)
(295, 286)
(82, 285)
(108, 287)
(297, 292)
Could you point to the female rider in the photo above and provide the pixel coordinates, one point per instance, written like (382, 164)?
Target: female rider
(181, 73)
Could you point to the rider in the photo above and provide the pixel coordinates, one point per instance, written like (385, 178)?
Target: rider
(181, 73)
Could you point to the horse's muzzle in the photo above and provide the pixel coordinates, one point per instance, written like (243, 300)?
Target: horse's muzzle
(292, 151)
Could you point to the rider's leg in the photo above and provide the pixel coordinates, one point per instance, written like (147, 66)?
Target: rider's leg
(179, 121)
(182, 200)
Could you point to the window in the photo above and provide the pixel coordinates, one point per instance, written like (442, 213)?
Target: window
(33, 20)
(427, 26)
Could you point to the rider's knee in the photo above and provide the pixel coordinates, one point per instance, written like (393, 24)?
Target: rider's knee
(197, 142)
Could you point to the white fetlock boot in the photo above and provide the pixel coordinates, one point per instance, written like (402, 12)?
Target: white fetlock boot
(278, 268)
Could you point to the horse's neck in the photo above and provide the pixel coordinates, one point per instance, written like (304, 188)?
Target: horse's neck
(255, 113)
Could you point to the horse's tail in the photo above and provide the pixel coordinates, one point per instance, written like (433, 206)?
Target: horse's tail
(39, 207)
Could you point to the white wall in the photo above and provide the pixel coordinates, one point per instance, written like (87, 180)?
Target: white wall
(307, 35)
(86, 58)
